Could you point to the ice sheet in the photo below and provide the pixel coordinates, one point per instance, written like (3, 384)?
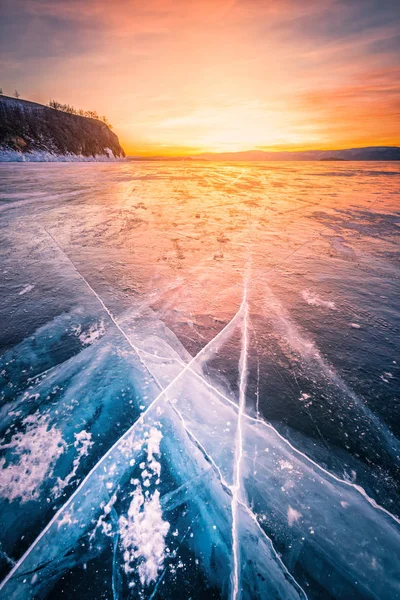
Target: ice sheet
(187, 408)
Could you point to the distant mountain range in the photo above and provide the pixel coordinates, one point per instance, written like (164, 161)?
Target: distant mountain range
(34, 132)
(373, 153)
(387, 153)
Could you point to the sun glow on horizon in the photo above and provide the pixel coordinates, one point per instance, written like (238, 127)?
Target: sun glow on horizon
(214, 75)
(229, 128)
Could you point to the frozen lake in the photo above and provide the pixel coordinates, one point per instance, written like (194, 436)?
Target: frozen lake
(199, 380)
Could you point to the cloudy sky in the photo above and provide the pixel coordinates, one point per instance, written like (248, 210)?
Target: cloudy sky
(192, 75)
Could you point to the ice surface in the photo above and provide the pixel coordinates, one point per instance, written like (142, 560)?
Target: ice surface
(186, 412)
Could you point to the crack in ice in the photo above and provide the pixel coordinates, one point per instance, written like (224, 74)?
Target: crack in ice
(129, 431)
(241, 414)
(260, 421)
(105, 308)
(239, 448)
(229, 489)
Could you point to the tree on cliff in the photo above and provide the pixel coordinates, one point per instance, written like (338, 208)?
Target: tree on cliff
(92, 114)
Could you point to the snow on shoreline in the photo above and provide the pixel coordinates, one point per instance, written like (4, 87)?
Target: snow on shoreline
(46, 156)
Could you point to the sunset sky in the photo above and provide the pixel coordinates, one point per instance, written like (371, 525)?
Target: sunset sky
(179, 77)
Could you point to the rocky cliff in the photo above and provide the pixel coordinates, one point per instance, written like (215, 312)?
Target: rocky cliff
(30, 131)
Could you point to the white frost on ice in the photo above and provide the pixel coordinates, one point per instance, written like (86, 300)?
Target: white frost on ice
(285, 464)
(95, 331)
(67, 519)
(386, 377)
(27, 288)
(293, 516)
(314, 300)
(143, 529)
(106, 527)
(34, 453)
(153, 448)
(83, 442)
(306, 399)
(142, 534)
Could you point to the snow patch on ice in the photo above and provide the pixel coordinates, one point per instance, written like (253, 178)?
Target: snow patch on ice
(386, 377)
(26, 289)
(285, 464)
(293, 516)
(83, 442)
(95, 331)
(67, 519)
(142, 534)
(153, 448)
(105, 526)
(314, 300)
(33, 454)
(306, 399)
(143, 529)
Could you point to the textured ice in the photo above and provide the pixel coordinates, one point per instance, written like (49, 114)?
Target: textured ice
(202, 430)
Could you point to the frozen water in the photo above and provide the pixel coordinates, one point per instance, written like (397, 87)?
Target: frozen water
(187, 408)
